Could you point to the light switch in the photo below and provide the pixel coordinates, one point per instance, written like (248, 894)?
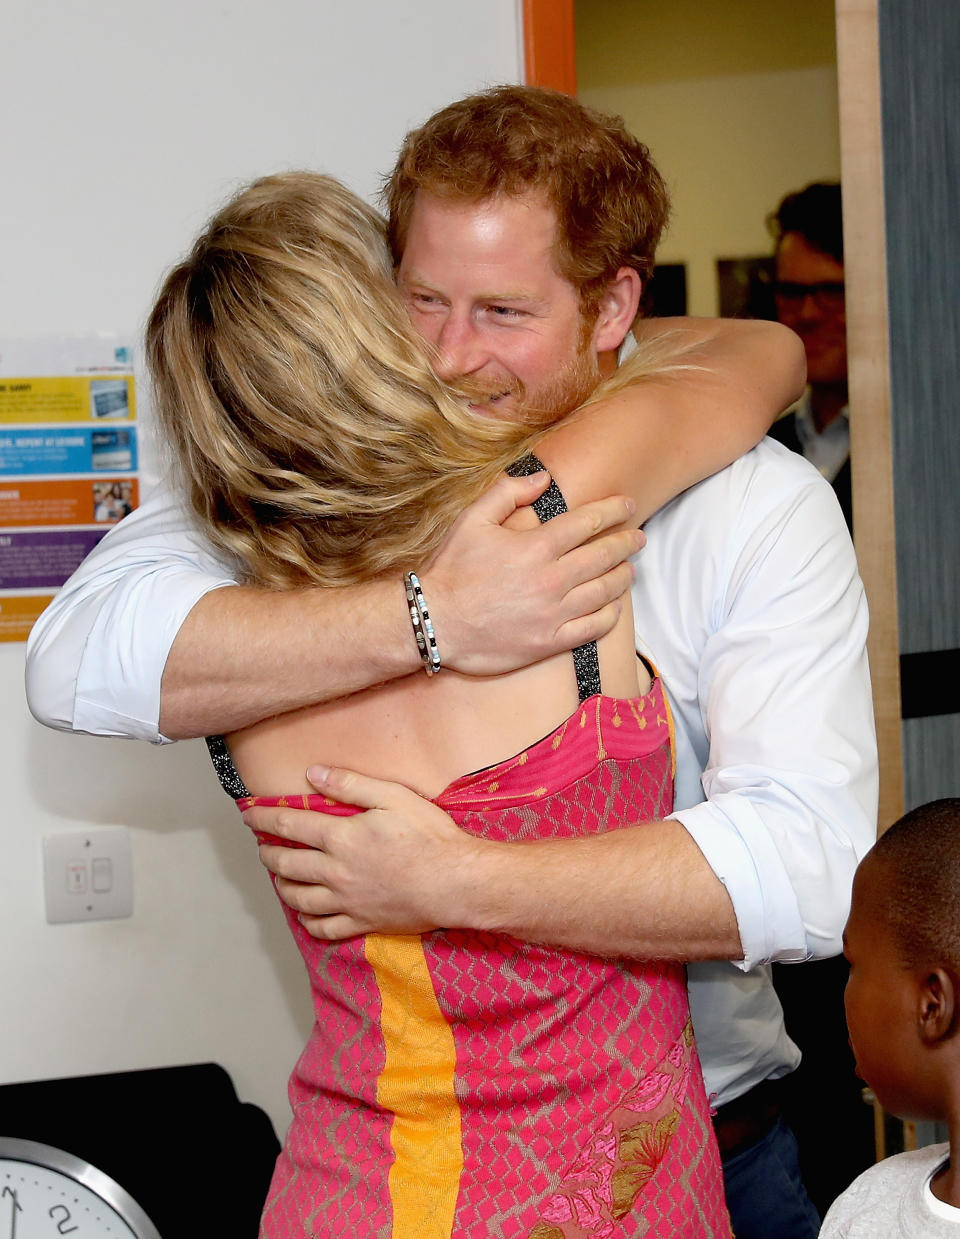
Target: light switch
(88, 875)
(102, 867)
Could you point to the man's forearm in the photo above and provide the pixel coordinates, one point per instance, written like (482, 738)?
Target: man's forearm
(644, 892)
(285, 650)
(245, 654)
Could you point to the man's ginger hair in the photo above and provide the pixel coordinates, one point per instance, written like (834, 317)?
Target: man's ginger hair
(610, 201)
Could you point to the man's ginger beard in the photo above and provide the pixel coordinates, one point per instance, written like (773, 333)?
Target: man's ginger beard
(576, 379)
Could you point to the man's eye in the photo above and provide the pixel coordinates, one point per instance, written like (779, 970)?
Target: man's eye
(506, 311)
(423, 299)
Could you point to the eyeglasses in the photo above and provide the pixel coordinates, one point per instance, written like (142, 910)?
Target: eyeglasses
(828, 295)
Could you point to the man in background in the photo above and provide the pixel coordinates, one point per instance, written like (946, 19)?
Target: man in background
(809, 298)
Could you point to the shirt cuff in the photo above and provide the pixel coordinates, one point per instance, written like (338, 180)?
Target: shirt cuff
(737, 846)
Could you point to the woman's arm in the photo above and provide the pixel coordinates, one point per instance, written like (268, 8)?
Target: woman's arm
(722, 384)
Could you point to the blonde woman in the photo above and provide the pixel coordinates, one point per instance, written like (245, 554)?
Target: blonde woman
(456, 1083)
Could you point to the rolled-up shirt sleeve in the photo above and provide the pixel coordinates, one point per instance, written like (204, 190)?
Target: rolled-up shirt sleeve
(781, 723)
(95, 657)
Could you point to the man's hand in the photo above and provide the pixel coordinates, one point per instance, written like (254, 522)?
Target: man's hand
(403, 866)
(503, 598)
(394, 869)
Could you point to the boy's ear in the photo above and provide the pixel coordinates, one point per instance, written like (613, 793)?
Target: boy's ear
(618, 309)
(937, 1010)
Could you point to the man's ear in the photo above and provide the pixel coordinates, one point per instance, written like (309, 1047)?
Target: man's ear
(937, 1006)
(618, 309)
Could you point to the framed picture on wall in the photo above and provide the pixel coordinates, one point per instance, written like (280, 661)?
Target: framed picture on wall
(666, 292)
(745, 287)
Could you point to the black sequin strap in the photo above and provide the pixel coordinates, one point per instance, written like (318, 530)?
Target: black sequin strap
(230, 780)
(550, 504)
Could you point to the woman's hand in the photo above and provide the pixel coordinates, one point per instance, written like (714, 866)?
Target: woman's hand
(396, 868)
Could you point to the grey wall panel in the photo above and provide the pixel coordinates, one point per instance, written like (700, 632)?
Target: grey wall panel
(931, 759)
(919, 56)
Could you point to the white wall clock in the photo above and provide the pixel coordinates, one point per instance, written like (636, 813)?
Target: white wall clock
(45, 1192)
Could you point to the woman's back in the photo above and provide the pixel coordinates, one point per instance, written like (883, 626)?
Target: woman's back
(426, 732)
(464, 1084)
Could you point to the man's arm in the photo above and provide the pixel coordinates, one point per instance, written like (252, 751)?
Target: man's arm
(144, 642)
(403, 866)
(761, 869)
(146, 613)
(306, 646)
(783, 690)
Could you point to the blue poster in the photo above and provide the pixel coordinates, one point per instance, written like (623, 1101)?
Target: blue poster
(69, 449)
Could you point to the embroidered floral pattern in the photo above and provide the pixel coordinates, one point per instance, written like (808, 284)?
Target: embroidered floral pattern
(642, 1149)
(606, 1181)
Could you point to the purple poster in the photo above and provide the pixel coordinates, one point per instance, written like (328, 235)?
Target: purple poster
(43, 560)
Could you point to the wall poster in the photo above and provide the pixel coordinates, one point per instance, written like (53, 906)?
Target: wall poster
(68, 462)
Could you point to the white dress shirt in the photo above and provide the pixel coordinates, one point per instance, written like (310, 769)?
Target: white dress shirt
(747, 601)
(96, 655)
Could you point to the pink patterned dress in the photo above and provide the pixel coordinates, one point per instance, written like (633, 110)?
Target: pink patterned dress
(463, 1085)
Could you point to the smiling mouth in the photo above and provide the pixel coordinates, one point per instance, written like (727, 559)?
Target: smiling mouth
(480, 402)
(480, 394)
(489, 406)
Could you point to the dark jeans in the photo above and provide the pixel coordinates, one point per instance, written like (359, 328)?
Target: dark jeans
(765, 1194)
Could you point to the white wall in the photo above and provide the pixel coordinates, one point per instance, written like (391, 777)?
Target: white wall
(125, 124)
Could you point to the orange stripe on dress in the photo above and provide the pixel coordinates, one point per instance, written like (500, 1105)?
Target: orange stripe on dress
(417, 1086)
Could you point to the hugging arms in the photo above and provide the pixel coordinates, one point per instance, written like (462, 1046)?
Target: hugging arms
(746, 600)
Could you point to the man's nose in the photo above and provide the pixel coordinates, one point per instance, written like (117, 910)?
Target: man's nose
(461, 349)
(809, 309)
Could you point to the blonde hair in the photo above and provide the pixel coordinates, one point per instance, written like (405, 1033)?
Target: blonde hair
(314, 440)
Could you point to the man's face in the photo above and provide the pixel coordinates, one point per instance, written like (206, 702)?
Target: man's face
(880, 999)
(480, 284)
(810, 300)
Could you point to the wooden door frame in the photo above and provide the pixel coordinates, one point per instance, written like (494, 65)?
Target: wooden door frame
(871, 449)
(549, 47)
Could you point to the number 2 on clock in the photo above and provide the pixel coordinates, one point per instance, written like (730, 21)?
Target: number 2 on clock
(64, 1216)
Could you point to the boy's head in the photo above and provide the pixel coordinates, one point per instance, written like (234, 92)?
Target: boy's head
(903, 943)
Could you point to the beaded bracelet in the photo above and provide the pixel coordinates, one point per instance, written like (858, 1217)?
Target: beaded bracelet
(422, 624)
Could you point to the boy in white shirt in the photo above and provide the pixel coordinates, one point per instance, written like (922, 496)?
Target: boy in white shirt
(903, 1013)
